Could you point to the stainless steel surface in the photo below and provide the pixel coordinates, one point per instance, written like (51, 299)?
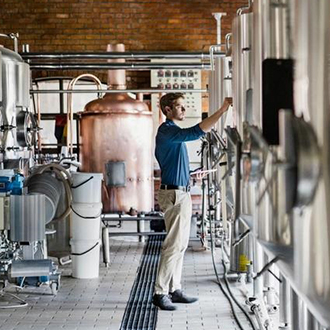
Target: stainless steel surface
(25, 129)
(106, 246)
(48, 185)
(308, 162)
(28, 268)
(296, 311)
(58, 242)
(274, 226)
(257, 58)
(272, 38)
(115, 66)
(152, 233)
(117, 55)
(212, 91)
(284, 303)
(119, 128)
(242, 68)
(276, 35)
(220, 86)
(15, 85)
(276, 194)
(225, 88)
(278, 46)
(240, 258)
(113, 91)
(288, 154)
(312, 88)
(27, 218)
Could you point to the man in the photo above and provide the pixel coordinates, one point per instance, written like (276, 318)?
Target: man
(174, 197)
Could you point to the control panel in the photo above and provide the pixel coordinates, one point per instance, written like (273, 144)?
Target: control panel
(179, 80)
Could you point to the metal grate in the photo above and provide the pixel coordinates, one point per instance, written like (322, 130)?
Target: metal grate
(140, 313)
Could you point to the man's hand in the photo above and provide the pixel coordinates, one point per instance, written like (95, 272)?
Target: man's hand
(228, 101)
(209, 122)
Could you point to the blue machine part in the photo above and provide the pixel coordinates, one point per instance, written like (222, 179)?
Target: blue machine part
(32, 280)
(17, 184)
(11, 184)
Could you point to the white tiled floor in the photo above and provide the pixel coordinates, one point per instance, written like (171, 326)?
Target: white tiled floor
(100, 303)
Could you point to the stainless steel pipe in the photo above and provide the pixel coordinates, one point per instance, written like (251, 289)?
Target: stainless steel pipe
(106, 246)
(116, 66)
(284, 294)
(113, 91)
(117, 55)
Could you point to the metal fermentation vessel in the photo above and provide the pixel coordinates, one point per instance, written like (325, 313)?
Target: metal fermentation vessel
(312, 101)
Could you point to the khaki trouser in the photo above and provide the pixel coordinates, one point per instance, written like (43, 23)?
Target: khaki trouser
(177, 207)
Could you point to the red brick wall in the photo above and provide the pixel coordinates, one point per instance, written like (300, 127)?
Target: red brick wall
(89, 25)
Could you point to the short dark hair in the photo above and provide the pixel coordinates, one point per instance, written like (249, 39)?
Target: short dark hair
(168, 100)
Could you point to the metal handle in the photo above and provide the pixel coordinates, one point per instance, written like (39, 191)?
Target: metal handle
(227, 43)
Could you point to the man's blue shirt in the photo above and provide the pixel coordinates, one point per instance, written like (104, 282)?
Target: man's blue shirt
(171, 152)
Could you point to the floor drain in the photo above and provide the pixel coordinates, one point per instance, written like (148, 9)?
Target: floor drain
(140, 313)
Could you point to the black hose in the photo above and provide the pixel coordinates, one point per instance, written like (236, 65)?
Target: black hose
(81, 216)
(81, 254)
(233, 297)
(82, 183)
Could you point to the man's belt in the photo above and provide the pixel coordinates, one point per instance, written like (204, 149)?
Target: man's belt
(172, 187)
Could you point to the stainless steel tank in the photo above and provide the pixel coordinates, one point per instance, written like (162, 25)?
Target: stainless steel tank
(116, 140)
(312, 101)
(240, 258)
(272, 33)
(17, 122)
(272, 38)
(242, 69)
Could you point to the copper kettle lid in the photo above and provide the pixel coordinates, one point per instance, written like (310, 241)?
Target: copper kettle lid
(116, 102)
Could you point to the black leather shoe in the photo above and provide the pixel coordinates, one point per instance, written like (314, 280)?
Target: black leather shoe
(179, 297)
(164, 302)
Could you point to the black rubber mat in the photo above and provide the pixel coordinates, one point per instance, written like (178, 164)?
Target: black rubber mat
(140, 313)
